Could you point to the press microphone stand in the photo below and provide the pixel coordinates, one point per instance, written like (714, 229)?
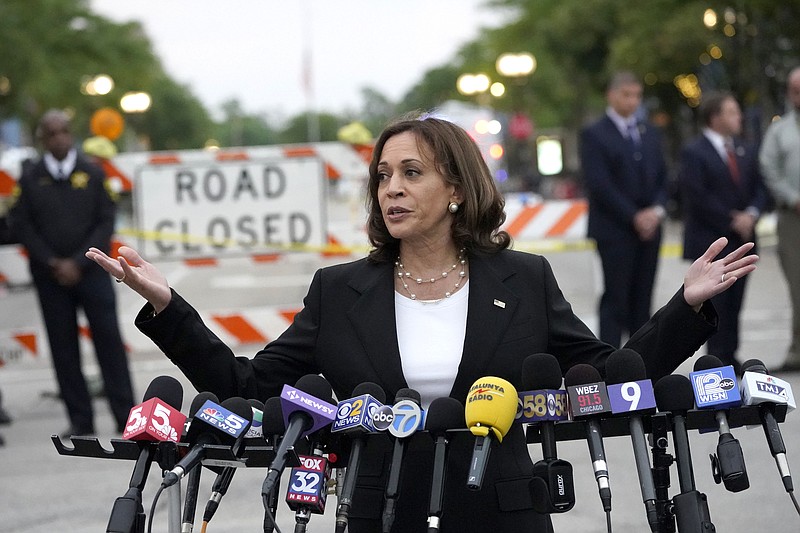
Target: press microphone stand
(661, 464)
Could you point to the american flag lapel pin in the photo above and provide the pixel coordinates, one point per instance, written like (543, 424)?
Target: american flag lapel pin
(499, 303)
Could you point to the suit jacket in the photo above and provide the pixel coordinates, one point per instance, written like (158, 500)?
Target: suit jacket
(709, 194)
(346, 331)
(618, 181)
(63, 219)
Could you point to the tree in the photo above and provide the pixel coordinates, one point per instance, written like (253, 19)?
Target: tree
(58, 44)
(240, 129)
(296, 131)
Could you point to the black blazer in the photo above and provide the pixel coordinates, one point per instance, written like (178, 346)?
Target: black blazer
(709, 194)
(620, 180)
(53, 218)
(346, 331)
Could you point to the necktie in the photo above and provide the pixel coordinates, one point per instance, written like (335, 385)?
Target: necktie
(633, 134)
(733, 165)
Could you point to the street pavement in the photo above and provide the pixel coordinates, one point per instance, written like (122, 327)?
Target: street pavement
(41, 490)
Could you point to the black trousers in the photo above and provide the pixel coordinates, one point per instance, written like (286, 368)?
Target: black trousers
(629, 273)
(725, 342)
(95, 295)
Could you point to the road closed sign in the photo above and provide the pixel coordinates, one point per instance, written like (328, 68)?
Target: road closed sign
(199, 207)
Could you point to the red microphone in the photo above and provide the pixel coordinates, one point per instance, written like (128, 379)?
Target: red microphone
(156, 419)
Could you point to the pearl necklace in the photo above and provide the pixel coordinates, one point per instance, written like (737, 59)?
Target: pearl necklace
(404, 275)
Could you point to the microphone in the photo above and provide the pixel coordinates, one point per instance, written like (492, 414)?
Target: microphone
(675, 394)
(444, 414)
(765, 391)
(253, 437)
(272, 428)
(404, 418)
(155, 420)
(715, 388)
(306, 408)
(308, 486)
(355, 417)
(212, 424)
(631, 393)
(588, 398)
(545, 402)
(490, 411)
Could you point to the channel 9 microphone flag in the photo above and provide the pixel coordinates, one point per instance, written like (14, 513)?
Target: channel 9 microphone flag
(490, 411)
(631, 393)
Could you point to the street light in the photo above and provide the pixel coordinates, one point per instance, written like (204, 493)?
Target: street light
(520, 156)
(135, 102)
(516, 65)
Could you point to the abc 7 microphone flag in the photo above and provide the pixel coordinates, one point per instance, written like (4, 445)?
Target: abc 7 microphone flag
(400, 420)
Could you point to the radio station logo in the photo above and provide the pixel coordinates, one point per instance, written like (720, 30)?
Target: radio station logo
(713, 387)
(485, 391)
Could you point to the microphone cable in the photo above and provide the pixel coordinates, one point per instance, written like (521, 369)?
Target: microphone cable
(153, 508)
(268, 512)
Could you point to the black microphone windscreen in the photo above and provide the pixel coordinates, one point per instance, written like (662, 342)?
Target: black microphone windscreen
(239, 406)
(167, 389)
(373, 389)
(674, 393)
(445, 414)
(541, 371)
(408, 394)
(272, 422)
(707, 362)
(256, 404)
(754, 365)
(582, 374)
(625, 365)
(316, 386)
(200, 399)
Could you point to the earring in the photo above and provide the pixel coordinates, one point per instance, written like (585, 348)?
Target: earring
(453, 207)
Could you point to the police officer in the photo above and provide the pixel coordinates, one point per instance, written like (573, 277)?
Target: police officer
(62, 208)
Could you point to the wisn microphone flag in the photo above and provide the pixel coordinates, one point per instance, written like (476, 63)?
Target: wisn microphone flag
(154, 420)
(715, 388)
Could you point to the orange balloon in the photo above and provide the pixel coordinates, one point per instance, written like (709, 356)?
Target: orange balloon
(107, 122)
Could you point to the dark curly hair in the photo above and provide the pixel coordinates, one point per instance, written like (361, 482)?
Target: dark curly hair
(476, 224)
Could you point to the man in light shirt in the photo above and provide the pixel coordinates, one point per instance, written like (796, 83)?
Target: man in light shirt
(780, 165)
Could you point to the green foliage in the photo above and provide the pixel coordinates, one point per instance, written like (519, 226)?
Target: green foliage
(59, 44)
(299, 127)
(176, 120)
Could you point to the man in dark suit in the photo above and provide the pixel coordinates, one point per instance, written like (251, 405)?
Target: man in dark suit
(626, 181)
(723, 196)
(63, 206)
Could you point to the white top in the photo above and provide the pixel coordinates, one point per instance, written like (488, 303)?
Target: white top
(431, 340)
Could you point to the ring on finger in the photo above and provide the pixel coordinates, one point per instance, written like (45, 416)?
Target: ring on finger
(120, 280)
(723, 278)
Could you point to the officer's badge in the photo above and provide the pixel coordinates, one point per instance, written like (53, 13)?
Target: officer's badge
(79, 180)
